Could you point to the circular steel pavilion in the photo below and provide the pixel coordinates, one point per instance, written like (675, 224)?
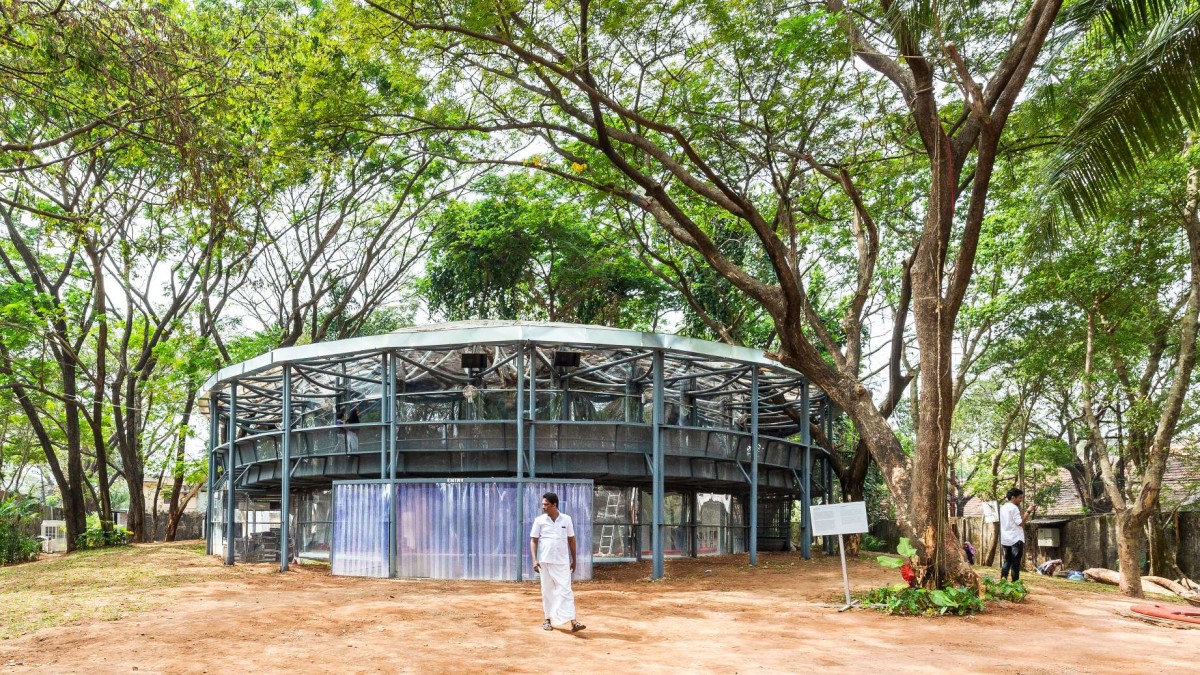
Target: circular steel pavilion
(661, 425)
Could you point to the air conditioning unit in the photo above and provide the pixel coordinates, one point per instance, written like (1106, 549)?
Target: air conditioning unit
(1048, 536)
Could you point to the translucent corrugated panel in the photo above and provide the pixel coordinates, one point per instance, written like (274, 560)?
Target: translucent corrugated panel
(457, 530)
(451, 530)
(360, 530)
(575, 500)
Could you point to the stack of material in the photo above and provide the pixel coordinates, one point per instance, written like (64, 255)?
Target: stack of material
(1183, 588)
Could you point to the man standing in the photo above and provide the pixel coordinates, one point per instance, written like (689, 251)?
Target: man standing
(1012, 533)
(552, 545)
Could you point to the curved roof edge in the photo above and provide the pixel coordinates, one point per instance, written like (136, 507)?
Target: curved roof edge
(458, 333)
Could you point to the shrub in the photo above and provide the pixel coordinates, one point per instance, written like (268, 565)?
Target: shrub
(96, 536)
(872, 543)
(1003, 589)
(15, 545)
(907, 601)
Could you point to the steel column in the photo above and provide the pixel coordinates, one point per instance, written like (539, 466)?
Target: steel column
(754, 466)
(230, 501)
(656, 462)
(214, 430)
(388, 406)
(521, 539)
(827, 469)
(806, 480)
(285, 444)
(520, 411)
(532, 410)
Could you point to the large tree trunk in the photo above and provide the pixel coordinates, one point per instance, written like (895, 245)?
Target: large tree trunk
(1130, 534)
(72, 491)
(175, 510)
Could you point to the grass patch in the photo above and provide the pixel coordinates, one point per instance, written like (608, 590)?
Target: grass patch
(106, 584)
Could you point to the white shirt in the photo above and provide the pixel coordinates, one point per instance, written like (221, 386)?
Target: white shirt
(552, 538)
(1010, 525)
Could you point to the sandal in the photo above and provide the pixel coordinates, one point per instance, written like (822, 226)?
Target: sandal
(546, 625)
(576, 626)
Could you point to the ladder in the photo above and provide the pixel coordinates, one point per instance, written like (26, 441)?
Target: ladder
(608, 532)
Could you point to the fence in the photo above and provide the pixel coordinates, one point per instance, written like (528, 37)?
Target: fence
(1083, 541)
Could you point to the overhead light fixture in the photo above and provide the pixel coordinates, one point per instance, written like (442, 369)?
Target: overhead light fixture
(566, 359)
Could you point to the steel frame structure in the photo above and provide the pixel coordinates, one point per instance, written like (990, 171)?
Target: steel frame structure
(709, 405)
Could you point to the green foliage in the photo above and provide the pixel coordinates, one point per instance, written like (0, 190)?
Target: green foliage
(872, 543)
(98, 536)
(1003, 589)
(529, 249)
(905, 601)
(16, 546)
(906, 551)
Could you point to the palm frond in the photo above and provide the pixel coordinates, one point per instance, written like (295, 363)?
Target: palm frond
(1122, 21)
(1152, 100)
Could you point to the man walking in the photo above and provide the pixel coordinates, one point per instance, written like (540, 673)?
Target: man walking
(552, 545)
(1012, 533)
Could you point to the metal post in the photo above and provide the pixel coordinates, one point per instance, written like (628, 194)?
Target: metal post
(393, 489)
(520, 410)
(695, 506)
(532, 410)
(806, 481)
(754, 465)
(383, 416)
(521, 540)
(230, 502)
(845, 575)
(656, 534)
(214, 430)
(828, 468)
(285, 443)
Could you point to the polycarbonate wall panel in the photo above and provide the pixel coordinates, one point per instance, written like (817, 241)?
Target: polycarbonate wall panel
(457, 530)
(575, 500)
(360, 530)
(452, 529)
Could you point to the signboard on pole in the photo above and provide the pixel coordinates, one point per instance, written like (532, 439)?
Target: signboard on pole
(991, 512)
(846, 518)
(840, 519)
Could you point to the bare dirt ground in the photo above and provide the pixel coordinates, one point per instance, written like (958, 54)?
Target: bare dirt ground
(182, 612)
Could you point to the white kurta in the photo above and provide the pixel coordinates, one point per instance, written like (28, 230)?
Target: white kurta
(558, 600)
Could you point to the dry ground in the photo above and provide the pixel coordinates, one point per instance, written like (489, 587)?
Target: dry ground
(167, 608)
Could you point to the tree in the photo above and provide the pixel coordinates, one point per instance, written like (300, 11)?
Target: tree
(528, 249)
(699, 114)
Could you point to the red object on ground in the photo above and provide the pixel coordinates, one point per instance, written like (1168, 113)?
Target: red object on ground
(1173, 612)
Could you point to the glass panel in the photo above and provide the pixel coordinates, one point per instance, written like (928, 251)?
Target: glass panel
(313, 525)
(612, 531)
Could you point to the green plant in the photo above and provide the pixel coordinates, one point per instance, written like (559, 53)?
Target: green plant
(872, 543)
(97, 536)
(1003, 589)
(903, 563)
(906, 601)
(15, 545)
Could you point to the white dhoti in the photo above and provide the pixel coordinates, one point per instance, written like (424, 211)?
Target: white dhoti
(558, 600)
